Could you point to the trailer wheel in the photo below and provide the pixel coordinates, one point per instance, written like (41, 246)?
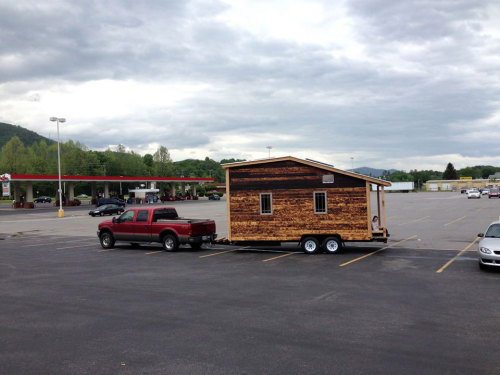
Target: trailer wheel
(332, 245)
(170, 242)
(310, 245)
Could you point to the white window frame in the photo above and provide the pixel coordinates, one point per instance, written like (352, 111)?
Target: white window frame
(326, 203)
(270, 202)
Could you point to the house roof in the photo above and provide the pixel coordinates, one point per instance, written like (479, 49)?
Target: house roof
(309, 162)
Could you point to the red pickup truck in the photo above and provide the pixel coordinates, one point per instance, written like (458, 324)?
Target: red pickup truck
(154, 224)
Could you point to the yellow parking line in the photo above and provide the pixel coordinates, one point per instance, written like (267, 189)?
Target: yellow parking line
(415, 221)
(454, 221)
(74, 247)
(223, 252)
(102, 251)
(456, 256)
(156, 252)
(278, 257)
(377, 251)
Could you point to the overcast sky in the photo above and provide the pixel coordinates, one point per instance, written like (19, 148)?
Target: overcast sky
(379, 83)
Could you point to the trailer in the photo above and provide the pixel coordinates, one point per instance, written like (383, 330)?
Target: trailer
(289, 199)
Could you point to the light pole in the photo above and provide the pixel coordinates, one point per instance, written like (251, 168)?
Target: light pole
(269, 149)
(59, 120)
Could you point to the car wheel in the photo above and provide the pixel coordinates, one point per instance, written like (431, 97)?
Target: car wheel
(332, 245)
(482, 266)
(310, 245)
(170, 242)
(101, 213)
(107, 240)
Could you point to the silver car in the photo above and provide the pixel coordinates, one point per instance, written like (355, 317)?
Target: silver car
(489, 246)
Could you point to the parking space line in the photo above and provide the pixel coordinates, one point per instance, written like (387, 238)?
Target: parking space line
(223, 252)
(50, 243)
(454, 221)
(279, 256)
(456, 256)
(415, 221)
(102, 251)
(377, 251)
(74, 247)
(156, 252)
(427, 248)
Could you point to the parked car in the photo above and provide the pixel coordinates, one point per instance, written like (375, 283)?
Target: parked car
(489, 246)
(494, 193)
(104, 201)
(464, 190)
(77, 202)
(473, 193)
(485, 192)
(43, 200)
(107, 209)
(214, 197)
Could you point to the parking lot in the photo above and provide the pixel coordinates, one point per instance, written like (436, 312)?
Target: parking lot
(418, 304)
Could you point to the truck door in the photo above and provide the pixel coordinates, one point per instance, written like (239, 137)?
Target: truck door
(141, 227)
(122, 228)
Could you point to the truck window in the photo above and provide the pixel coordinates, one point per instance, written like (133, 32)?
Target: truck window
(164, 214)
(320, 202)
(266, 204)
(127, 216)
(142, 215)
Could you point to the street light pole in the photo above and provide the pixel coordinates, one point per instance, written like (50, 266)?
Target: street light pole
(59, 120)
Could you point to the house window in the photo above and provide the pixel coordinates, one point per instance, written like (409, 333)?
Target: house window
(320, 202)
(266, 204)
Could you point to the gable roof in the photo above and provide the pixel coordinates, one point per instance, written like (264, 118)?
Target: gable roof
(311, 163)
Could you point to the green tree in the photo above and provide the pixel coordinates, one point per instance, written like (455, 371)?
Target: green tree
(13, 157)
(450, 173)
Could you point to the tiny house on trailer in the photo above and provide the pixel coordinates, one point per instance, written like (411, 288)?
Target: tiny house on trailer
(294, 200)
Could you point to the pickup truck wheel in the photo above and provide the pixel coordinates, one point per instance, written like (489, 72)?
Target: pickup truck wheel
(107, 240)
(170, 242)
(310, 245)
(332, 245)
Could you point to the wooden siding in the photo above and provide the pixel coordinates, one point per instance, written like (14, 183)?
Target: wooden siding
(292, 186)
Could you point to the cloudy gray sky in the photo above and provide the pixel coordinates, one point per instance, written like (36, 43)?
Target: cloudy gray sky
(380, 83)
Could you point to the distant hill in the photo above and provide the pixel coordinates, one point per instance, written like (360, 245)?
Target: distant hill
(373, 172)
(28, 137)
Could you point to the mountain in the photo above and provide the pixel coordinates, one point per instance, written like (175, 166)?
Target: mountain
(28, 137)
(373, 172)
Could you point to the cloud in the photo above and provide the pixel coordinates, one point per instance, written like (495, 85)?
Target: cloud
(392, 84)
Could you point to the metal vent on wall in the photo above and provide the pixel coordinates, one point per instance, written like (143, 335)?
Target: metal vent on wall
(328, 178)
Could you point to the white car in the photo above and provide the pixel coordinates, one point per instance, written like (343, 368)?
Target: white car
(485, 192)
(473, 193)
(489, 246)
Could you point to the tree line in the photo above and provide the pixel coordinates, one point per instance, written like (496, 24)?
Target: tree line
(76, 159)
(450, 173)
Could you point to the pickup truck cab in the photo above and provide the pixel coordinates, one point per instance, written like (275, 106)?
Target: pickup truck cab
(156, 224)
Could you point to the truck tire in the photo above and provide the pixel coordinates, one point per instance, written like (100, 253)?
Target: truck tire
(332, 245)
(107, 240)
(310, 245)
(170, 242)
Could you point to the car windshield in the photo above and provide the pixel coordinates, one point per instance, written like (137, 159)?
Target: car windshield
(493, 231)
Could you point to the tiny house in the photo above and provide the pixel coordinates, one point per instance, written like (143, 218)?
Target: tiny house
(294, 200)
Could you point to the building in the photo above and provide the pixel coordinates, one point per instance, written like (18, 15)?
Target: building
(281, 199)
